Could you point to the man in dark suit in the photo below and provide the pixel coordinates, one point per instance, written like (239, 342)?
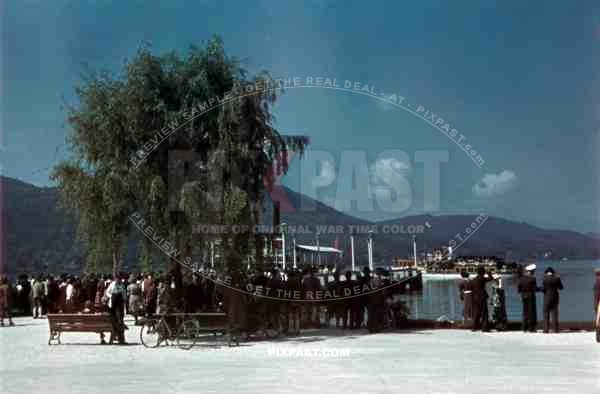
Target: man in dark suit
(480, 300)
(465, 292)
(310, 286)
(375, 304)
(551, 286)
(527, 287)
(363, 299)
(351, 303)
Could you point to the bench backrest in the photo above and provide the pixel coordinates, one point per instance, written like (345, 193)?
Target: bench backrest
(75, 319)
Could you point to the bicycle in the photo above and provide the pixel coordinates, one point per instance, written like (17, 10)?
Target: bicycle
(155, 331)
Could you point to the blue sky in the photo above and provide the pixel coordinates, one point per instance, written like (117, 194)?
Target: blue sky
(517, 81)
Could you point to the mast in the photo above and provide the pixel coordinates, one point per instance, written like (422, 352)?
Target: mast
(415, 249)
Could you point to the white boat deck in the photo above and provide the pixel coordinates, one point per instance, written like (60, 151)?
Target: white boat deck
(440, 276)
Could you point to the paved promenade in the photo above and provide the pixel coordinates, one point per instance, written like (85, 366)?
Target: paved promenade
(440, 361)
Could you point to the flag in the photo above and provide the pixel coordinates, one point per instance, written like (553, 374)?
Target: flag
(428, 225)
(348, 247)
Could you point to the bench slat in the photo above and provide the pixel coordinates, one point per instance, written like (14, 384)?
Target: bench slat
(89, 322)
(85, 329)
(79, 322)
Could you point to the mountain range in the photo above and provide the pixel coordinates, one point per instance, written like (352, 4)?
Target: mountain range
(41, 237)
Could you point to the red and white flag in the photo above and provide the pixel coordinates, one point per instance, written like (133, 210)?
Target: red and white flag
(336, 243)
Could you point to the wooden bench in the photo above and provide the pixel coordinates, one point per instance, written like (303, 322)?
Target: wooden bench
(78, 322)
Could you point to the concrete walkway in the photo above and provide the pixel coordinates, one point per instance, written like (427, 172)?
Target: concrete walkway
(430, 361)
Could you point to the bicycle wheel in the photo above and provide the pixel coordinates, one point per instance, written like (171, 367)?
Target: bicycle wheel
(150, 333)
(188, 334)
(271, 330)
(390, 319)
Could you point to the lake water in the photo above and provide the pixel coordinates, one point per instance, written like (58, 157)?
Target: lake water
(441, 297)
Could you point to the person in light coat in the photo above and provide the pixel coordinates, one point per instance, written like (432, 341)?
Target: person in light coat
(37, 296)
(134, 298)
(5, 301)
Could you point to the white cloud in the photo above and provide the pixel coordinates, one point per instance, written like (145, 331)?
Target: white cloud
(386, 182)
(380, 178)
(492, 185)
(386, 167)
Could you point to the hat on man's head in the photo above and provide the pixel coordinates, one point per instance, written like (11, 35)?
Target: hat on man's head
(531, 267)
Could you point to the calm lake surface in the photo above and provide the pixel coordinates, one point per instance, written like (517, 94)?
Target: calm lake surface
(440, 297)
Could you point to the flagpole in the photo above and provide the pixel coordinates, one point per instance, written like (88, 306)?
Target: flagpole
(337, 255)
(352, 251)
(427, 228)
(294, 240)
(370, 250)
(283, 229)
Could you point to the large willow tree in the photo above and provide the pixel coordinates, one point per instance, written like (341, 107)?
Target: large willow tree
(117, 114)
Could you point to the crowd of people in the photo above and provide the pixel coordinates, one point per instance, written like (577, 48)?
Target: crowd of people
(151, 293)
(156, 293)
(475, 298)
(345, 308)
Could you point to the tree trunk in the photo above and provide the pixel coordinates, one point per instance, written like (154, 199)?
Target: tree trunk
(258, 238)
(175, 271)
(176, 275)
(233, 253)
(116, 249)
(174, 266)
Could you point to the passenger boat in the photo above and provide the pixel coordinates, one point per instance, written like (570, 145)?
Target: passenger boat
(452, 268)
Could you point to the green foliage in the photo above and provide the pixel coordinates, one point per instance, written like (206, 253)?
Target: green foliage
(117, 114)
(236, 201)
